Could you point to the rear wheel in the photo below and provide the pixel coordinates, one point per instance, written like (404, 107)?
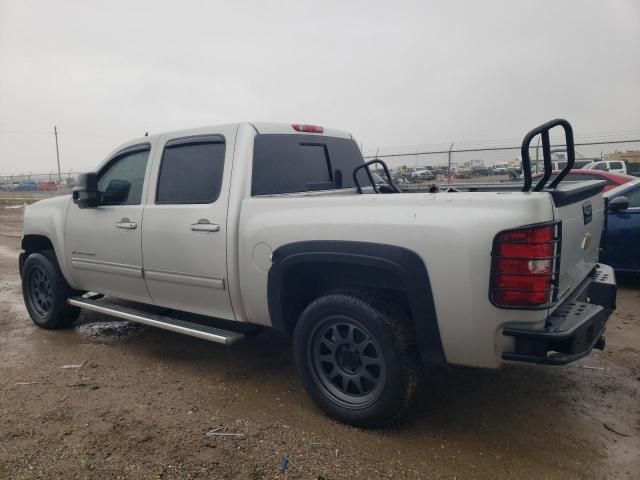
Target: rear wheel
(356, 359)
(45, 292)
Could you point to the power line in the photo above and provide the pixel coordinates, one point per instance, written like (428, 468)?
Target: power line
(486, 149)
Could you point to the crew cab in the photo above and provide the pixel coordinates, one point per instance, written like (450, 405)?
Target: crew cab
(216, 232)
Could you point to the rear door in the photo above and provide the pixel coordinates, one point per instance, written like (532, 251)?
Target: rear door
(185, 223)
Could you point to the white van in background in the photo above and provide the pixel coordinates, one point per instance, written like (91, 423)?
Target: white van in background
(560, 164)
(613, 166)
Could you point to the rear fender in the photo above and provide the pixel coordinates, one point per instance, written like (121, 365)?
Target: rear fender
(354, 265)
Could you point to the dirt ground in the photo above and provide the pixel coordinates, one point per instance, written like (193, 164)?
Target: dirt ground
(142, 401)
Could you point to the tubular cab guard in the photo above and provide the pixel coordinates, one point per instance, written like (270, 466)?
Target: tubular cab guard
(543, 131)
(366, 166)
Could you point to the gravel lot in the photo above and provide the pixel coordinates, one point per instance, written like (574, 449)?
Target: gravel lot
(142, 401)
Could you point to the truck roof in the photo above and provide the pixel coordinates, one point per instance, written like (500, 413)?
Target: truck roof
(259, 127)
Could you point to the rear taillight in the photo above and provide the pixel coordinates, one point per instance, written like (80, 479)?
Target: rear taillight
(525, 266)
(299, 127)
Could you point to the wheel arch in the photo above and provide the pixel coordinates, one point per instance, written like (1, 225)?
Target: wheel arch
(32, 243)
(302, 271)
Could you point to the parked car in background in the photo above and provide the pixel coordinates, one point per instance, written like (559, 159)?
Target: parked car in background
(500, 169)
(480, 171)
(463, 173)
(422, 174)
(621, 241)
(27, 186)
(9, 186)
(580, 175)
(613, 166)
(560, 164)
(47, 186)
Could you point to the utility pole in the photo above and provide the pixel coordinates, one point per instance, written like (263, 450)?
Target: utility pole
(55, 134)
(449, 167)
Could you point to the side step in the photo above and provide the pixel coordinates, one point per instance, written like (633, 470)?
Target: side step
(206, 332)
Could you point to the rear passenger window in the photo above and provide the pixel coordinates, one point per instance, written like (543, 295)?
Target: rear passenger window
(616, 165)
(191, 170)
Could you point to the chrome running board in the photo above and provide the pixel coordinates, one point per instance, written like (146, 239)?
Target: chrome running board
(206, 332)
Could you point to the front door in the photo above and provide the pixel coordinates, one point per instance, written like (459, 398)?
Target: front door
(184, 237)
(622, 245)
(103, 243)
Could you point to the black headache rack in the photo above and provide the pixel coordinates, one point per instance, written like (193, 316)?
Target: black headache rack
(560, 196)
(390, 188)
(543, 131)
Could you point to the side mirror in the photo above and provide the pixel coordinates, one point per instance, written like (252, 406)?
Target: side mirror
(85, 195)
(619, 203)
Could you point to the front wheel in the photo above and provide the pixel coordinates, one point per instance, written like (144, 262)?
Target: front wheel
(355, 356)
(45, 292)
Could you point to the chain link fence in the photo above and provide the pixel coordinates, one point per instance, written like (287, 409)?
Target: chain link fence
(29, 187)
(502, 159)
(487, 162)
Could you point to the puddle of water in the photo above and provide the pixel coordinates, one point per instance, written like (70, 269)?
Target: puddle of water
(110, 331)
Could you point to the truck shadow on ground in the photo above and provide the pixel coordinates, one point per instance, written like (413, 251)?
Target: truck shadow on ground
(532, 415)
(450, 399)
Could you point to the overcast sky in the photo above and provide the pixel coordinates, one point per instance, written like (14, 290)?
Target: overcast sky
(392, 73)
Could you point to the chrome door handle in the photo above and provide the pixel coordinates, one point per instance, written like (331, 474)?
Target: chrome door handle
(126, 224)
(204, 225)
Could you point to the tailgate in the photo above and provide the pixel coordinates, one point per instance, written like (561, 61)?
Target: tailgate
(579, 207)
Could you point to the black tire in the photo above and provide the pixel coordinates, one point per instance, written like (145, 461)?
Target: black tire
(344, 336)
(45, 292)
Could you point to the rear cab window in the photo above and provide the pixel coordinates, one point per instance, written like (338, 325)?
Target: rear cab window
(284, 163)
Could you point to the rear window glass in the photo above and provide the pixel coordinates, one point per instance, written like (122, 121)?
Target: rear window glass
(616, 165)
(302, 163)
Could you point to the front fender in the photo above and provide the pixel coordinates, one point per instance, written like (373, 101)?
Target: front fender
(47, 218)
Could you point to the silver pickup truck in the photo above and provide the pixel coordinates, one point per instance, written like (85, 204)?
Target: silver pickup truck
(215, 232)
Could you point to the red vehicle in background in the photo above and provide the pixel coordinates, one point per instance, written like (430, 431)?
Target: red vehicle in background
(46, 186)
(579, 175)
